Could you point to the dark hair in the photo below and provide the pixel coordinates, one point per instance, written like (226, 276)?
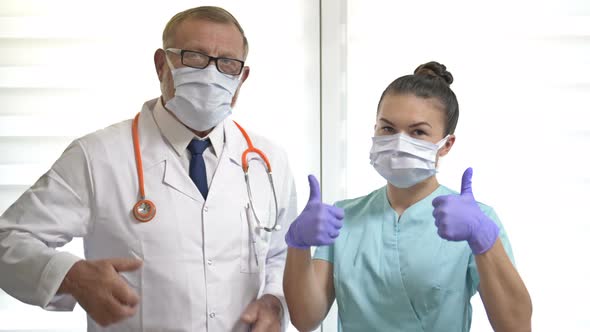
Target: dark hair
(430, 80)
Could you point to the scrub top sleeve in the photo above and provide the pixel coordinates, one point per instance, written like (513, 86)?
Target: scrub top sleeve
(325, 253)
(473, 274)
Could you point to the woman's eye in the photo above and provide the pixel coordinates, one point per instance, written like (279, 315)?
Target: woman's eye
(388, 129)
(419, 132)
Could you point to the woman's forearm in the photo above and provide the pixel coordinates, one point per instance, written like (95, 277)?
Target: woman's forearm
(505, 297)
(308, 289)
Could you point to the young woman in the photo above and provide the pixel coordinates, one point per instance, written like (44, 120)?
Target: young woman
(410, 255)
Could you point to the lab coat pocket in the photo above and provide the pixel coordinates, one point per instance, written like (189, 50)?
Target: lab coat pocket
(133, 278)
(248, 254)
(254, 242)
(134, 281)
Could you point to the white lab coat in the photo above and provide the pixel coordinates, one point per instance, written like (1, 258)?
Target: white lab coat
(199, 270)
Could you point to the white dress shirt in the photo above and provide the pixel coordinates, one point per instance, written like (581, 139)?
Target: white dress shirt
(180, 136)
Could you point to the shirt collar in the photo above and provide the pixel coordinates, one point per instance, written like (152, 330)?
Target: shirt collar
(180, 136)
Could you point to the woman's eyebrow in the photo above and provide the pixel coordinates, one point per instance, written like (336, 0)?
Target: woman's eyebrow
(387, 122)
(420, 123)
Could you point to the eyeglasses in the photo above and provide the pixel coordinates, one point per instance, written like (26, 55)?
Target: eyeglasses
(200, 61)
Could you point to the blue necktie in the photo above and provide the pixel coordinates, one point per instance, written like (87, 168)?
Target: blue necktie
(197, 170)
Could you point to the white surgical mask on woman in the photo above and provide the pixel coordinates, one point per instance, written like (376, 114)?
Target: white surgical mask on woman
(203, 96)
(404, 161)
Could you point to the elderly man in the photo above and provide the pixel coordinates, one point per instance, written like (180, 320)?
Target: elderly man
(175, 239)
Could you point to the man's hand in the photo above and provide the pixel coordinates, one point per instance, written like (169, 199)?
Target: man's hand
(101, 291)
(264, 314)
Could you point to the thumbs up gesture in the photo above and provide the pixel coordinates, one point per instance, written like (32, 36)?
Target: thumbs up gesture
(318, 224)
(459, 218)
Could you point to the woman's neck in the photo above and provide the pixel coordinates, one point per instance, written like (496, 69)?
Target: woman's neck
(402, 198)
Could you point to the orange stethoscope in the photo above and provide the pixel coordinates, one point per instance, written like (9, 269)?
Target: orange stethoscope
(145, 210)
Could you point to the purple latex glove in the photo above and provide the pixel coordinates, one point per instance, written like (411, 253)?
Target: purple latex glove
(459, 218)
(318, 224)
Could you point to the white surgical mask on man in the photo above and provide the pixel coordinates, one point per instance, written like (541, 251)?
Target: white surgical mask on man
(404, 161)
(203, 96)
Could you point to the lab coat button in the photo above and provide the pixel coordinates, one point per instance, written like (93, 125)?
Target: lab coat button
(212, 315)
(205, 209)
(209, 262)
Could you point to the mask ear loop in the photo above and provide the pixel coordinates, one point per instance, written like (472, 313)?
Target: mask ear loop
(442, 142)
(170, 65)
(439, 145)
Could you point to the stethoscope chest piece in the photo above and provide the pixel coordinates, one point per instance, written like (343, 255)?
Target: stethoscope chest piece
(144, 210)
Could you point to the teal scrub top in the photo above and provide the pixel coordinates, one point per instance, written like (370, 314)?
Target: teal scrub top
(395, 273)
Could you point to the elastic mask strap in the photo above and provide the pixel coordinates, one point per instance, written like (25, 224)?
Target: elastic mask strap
(168, 61)
(442, 142)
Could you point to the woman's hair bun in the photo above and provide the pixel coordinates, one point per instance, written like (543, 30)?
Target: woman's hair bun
(435, 69)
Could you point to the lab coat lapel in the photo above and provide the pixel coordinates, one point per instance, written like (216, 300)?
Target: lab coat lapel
(235, 142)
(176, 177)
(155, 150)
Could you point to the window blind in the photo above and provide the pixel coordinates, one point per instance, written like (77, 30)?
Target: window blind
(69, 67)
